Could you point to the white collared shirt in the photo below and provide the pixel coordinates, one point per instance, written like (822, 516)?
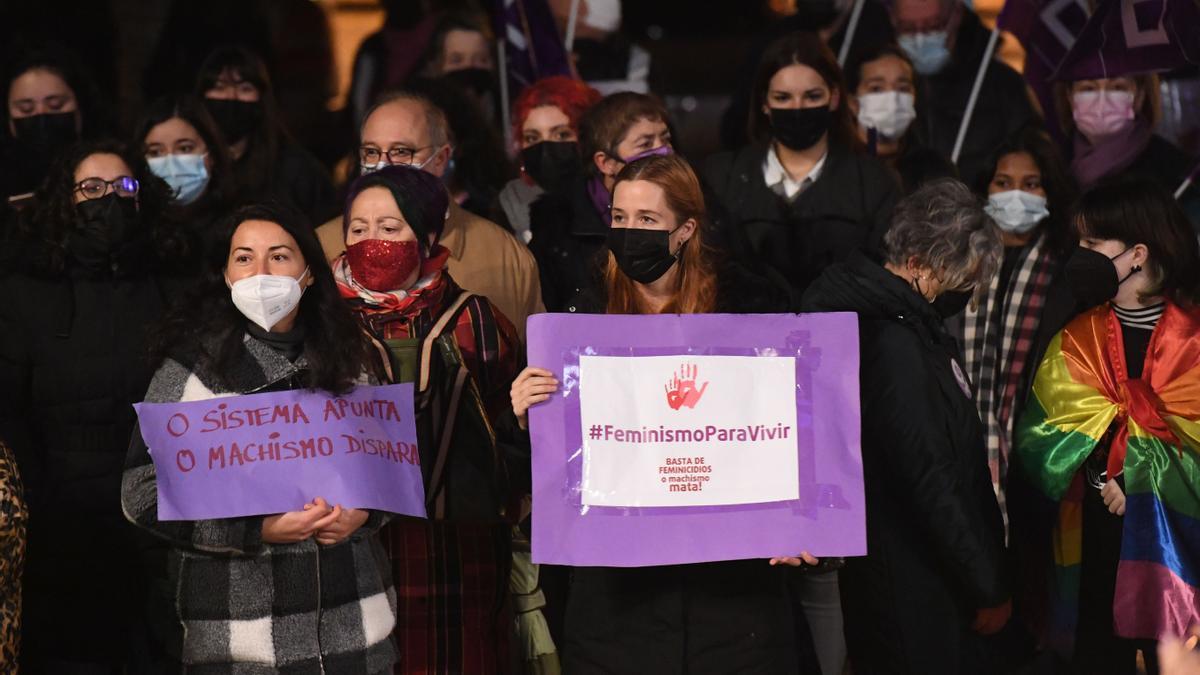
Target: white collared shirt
(777, 177)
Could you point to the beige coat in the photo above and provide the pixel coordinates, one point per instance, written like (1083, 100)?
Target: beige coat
(484, 259)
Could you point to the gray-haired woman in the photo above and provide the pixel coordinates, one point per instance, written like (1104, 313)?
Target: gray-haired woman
(933, 579)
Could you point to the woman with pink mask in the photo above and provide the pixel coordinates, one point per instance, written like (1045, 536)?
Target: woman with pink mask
(1109, 117)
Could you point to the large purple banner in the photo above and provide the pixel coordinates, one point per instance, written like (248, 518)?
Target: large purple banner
(683, 439)
(271, 453)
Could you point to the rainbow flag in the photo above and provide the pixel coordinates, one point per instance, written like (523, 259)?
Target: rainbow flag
(1081, 397)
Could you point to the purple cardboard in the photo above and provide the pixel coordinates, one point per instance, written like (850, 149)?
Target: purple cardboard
(829, 518)
(271, 453)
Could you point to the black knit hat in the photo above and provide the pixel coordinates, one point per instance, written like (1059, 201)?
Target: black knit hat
(421, 196)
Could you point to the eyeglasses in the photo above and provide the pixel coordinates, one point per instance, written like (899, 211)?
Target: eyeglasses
(396, 156)
(95, 188)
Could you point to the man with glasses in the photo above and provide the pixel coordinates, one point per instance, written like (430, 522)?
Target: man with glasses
(405, 128)
(946, 41)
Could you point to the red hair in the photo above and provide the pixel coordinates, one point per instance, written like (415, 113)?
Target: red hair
(569, 95)
(696, 286)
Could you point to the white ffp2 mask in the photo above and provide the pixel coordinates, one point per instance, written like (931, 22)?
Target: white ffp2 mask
(266, 298)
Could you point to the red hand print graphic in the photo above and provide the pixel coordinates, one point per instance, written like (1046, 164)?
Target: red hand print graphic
(682, 391)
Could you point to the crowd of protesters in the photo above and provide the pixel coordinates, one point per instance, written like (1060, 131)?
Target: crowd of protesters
(1026, 282)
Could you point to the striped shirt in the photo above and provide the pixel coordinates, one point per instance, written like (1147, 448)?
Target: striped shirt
(1144, 318)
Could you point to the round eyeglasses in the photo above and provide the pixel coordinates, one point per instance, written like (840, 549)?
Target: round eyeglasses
(95, 188)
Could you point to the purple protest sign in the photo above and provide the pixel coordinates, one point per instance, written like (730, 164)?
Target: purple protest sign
(682, 439)
(271, 453)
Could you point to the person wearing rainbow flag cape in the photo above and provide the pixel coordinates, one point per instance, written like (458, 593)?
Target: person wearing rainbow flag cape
(1112, 434)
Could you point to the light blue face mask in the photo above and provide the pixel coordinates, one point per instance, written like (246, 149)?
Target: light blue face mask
(928, 51)
(186, 174)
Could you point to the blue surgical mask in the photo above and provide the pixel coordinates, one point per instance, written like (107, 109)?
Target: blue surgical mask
(186, 174)
(1016, 211)
(928, 51)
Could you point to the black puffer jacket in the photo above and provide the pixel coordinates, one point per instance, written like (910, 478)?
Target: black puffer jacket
(935, 538)
(848, 208)
(73, 360)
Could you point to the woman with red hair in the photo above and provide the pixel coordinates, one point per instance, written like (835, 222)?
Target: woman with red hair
(546, 134)
(722, 617)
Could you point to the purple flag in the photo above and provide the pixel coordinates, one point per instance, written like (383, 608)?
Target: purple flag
(683, 439)
(531, 41)
(1130, 37)
(271, 453)
(1047, 30)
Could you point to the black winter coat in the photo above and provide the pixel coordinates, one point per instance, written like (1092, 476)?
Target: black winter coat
(848, 208)
(1002, 109)
(568, 240)
(718, 618)
(73, 361)
(935, 538)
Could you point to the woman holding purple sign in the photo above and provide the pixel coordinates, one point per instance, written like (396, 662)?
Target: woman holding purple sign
(721, 617)
(306, 590)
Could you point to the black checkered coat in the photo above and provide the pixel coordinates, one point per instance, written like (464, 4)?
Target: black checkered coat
(247, 607)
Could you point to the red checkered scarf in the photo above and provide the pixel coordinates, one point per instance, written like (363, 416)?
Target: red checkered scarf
(427, 292)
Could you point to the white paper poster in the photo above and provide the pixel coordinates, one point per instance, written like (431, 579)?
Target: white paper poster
(688, 430)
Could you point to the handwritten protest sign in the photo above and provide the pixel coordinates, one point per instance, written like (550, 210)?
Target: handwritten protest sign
(273, 452)
(682, 439)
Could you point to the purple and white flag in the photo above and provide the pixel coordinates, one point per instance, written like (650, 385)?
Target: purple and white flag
(1130, 37)
(533, 47)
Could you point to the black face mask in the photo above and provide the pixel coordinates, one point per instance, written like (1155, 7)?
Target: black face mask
(236, 119)
(643, 255)
(799, 128)
(105, 226)
(47, 133)
(552, 164)
(951, 303)
(478, 81)
(480, 85)
(1092, 276)
(43, 138)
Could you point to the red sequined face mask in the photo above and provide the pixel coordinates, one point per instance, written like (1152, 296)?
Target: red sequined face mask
(383, 266)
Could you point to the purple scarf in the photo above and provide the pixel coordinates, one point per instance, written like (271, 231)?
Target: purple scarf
(601, 199)
(1112, 154)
